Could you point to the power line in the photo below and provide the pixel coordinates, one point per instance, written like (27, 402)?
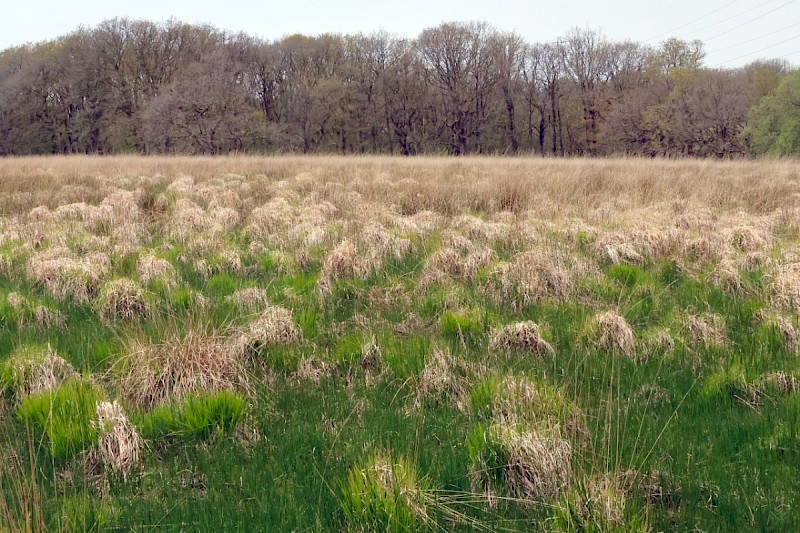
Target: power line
(739, 43)
(701, 17)
(751, 20)
(762, 49)
(726, 19)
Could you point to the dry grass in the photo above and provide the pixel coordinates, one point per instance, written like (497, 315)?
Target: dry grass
(273, 327)
(34, 369)
(122, 300)
(524, 336)
(613, 333)
(119, 446)
(153, 374)
(443, 380)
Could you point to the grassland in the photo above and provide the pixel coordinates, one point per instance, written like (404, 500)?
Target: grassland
(383, 344)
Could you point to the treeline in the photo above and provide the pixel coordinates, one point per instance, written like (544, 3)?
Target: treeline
(139, 86)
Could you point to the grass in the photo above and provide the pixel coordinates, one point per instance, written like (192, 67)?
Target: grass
(382, 344)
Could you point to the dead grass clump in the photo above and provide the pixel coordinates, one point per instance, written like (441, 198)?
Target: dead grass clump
(250, 299)
(726, 276)
(344, 262)
(750, 238)
(188, 219)
(311, 369)
(530, 466)
(153, 374)
(779, 382)
(787, 287)
(371, 356)
(524, 336)
(539, 467)
(119, 446)
(152, 268)
(34, 369)
(444, 379)
(122, 300)
(383, 243)
(46, 318)
(274, 327)
(64, 275)
(654, 395)
(532, 277)
(614, 334)
(706, 329)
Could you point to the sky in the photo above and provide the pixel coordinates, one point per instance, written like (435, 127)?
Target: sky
(735, 32)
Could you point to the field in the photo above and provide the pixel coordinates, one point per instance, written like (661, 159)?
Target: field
(320, 343)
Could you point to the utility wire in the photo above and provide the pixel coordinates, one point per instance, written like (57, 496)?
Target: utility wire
(726, 19)
(751, 20)
(701, 17)
(762, 49)
(734, 45)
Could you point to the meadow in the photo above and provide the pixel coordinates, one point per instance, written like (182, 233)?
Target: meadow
(374, 343)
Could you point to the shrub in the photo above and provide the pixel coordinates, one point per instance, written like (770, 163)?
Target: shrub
(64, 415)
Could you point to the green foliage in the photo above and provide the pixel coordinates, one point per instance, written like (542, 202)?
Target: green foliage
(197, 417)
(384, 494)
(64, 416)
(774, 124)
(467, 325)
(81, 513)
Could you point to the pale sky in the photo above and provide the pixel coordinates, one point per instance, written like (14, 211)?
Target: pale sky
(735, 32)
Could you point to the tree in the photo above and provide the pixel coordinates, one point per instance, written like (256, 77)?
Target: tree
(774, 124)
(205, 110)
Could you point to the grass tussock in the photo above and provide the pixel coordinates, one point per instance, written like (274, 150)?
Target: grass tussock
(123, 300)
(152, 374)
(119, 446)
(522, 336)
(34, 370)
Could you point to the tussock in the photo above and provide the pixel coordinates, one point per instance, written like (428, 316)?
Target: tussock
(250, 299)
(787, 287)
(531, 278)
(46, 318)
(371, 356)
(153, 374)
(539, 467)
(34, 369)
(152, 268)
(726, 276)
(119, 446)
(443, 380)
(613, 333)
(779, 381)
(64, 275)
(534, 467)
(311, 369)
(383, 243)
(524, 336)
(274, 327)
(706, 329)
(122, 300)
